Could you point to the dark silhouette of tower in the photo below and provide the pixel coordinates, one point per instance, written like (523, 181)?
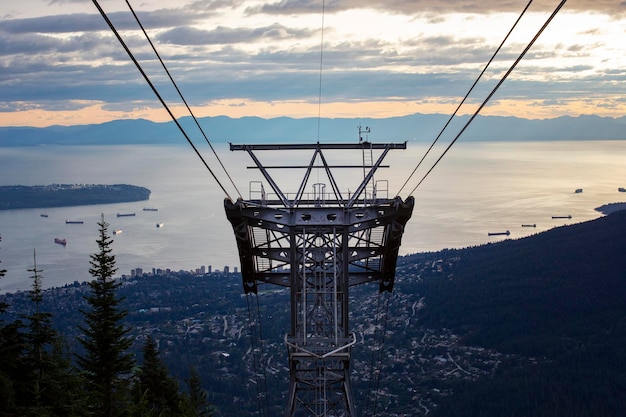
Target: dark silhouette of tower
(318, 243)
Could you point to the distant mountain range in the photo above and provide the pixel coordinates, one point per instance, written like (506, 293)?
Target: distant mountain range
(222, 129)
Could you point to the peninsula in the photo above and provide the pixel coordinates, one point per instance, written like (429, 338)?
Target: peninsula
(63, 195)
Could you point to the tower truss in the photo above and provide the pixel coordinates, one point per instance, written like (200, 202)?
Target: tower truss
(319, 244)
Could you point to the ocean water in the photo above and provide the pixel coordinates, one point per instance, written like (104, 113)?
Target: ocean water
(477, 188)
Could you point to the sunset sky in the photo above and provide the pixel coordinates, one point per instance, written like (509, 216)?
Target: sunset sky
(60, 64)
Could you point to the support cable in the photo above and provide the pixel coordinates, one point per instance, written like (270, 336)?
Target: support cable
(264, 368)
(382, 349)
(145, 76)
(373, 362)
(180, 94)
(252, 334)
(466, 96)
(484, 103)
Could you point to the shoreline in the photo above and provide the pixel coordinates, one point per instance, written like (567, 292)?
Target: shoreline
(611, 208)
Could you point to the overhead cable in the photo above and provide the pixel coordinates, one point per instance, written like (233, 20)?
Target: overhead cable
(145, 76)
(484, 103)
(180, 94)
(261, 386)
(466, 96)
(375, 361)
(381, 351)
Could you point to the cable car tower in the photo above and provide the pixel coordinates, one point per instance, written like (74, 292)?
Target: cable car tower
(318, 243)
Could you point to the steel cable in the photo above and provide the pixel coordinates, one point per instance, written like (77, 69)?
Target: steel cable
(466, 96)
(255, 361)
(163, 103)
(258, 315)
(180, 94)
(484, 103)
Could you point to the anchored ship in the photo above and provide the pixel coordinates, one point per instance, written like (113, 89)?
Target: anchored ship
(125, 214)
(499, 233)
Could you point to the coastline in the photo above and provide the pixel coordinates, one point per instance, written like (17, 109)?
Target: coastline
(611, 208)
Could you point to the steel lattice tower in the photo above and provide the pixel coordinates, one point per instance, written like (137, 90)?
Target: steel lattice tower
(319, 244)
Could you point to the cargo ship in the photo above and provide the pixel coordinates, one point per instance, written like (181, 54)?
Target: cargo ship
(150, 209)
(125, 214)
(499, 233)
(43, 215)
(60, 241)
(74, 222)
(117, 231)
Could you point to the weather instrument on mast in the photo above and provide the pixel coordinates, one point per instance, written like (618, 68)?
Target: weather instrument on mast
(319, 244)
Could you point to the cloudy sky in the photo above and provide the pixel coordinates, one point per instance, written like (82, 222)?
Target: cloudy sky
(61, 64)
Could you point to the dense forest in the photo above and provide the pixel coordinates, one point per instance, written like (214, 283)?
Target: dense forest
(559, 297)
(528, 327)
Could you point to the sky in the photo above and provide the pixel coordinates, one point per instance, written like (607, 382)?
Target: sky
(60, 63)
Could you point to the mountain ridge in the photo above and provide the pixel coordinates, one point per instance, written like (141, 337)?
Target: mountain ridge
(414, 127)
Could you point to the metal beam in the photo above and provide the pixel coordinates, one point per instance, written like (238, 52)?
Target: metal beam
(312, 146)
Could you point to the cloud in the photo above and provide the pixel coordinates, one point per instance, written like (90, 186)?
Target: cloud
(53, 24)
(413, 7)
(223, 35)
(123, 20)
(227, 50)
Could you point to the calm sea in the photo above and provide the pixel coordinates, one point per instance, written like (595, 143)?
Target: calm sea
(477, 188)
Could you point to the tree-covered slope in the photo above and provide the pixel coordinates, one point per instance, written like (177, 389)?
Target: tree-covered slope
(558, 297)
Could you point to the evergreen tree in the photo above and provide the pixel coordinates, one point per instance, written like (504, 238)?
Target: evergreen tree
(105, 362)
(198, 402)
(11, 347)
(40, 336)
(52, 384)
(156, 391)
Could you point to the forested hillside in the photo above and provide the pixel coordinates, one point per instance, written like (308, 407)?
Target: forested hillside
(558, 297)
